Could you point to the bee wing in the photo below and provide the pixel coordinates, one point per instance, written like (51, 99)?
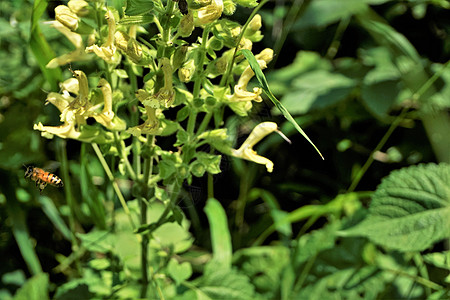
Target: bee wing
(51, 166)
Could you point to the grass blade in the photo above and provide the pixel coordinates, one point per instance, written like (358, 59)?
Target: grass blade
(220, 235)
(54, 216)
(22, 236)
(265, 86)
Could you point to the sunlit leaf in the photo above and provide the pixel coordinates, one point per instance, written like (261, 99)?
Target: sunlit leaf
(410, 210)
(36, 288)
(220, 235)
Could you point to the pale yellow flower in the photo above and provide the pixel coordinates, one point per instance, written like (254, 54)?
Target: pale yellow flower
(67, 17)
(108, 49)
(258, 133)
(75, 111)
(165, 96)
(241, 100)
(107, 117)
(150, 126)
(136, 52)
(80, 7)
(209, 13)
(76, 55)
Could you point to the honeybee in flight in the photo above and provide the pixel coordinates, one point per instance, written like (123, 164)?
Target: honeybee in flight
(42, 178)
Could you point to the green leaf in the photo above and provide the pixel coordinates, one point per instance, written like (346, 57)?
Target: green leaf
(379, 97)
(318, 89)
(310, 244)
(265, 86)
(247, 3)
(410, 210)
(40, 48)
(386, 35)
(53, 214)
(74, 289)
(36, 288)
(179, 271)
(97, 241)
(139, 7)
(438, 259)
(264, 266)
(320, 13)
(137, 20)
(222, 283)
(220, 235)
(211, 162)
(22, 236)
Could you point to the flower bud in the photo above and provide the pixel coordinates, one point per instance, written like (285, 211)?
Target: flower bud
(179, 56)
(229, 7)
(136, 52)
(65, 16)
(186, 25)
(80, 7)
(265, 55)
(186, 72)
(255, 24)
(214, 44)
(209, 13)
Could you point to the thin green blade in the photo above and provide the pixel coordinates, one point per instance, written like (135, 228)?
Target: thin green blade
(265, 86)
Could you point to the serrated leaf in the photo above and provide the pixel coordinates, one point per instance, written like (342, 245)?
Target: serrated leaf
(410, 210)
(310, 244)
(222, 283)
(265, 86)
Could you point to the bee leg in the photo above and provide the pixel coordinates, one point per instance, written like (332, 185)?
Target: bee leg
(42, 186)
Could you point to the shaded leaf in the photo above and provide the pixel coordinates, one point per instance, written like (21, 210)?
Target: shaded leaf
(317, 90)
(324, 12)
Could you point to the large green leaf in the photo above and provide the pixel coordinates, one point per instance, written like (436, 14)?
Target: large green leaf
(265, 86)
(324, 12)
(317, 90)
(410, 209)
(36, 288)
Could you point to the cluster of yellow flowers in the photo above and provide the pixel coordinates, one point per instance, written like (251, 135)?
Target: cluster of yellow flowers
(76, 110)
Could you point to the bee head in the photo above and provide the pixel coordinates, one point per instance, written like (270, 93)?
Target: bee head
(29, 171)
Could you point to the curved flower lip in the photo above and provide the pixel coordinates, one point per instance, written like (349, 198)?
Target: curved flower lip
(67, 17)
(76, 55)
(108, 49)
(258, 133)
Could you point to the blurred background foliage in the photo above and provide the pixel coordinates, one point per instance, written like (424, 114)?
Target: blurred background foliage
(344, 69)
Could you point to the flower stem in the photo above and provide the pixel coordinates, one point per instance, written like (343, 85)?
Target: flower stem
(225, 77)
(114, 183)
(121, 148)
